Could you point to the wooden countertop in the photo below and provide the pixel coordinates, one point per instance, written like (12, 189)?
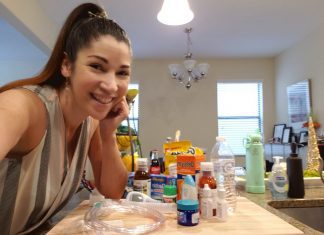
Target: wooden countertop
(249, 218)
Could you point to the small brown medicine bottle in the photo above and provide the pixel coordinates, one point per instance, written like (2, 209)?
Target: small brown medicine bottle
(142, 178)
(155, 164)
(207, 172)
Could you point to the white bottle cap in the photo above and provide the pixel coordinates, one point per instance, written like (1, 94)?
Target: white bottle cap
(142, 162)
(207, 166)
(220, 138)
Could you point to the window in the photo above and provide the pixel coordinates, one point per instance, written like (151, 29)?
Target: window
(133, 114)
(239, 110)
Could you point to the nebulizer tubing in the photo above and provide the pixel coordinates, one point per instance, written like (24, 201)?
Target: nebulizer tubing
(108, 207)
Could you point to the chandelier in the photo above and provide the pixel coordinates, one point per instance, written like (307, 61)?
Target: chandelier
(175, 12)
(188, 72)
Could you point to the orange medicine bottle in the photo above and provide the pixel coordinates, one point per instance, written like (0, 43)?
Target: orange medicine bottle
(207, 170)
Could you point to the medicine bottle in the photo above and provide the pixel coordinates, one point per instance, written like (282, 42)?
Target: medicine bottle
(142, 179)
(155, 164)
(207, 169)
(188, 214)
(169, 193)
(206, 201)
(206, 177)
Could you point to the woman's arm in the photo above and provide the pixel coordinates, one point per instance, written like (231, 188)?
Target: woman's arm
(108, 169)
(22, 122)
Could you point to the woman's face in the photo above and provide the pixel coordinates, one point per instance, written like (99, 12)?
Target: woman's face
(100, 76)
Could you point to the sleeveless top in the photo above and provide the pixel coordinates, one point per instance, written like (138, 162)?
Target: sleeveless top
(36, 186)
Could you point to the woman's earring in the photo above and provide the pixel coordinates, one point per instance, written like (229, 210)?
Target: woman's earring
(67, 82)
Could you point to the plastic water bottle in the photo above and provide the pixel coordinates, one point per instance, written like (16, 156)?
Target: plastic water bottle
(224, 168)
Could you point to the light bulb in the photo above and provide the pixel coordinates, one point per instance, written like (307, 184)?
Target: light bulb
(175, 12)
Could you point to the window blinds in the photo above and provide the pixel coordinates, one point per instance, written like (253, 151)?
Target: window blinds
(239, 112)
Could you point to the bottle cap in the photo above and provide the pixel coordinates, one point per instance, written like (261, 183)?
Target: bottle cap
(154, 154)
(189, 180)
(170, 190)
(276, 165)
(220, 139)
(187, 204)
(293, 147)
(142, 161)
(207, 166)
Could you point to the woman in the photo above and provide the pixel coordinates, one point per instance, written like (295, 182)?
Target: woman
(51, 123)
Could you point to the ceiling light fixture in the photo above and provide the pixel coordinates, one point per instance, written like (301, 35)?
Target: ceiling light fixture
(188, 69)
(175, 12)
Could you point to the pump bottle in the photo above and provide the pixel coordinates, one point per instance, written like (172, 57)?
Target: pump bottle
(296, 187)
(278, 182)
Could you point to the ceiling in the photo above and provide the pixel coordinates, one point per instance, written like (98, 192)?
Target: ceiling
(221, 28)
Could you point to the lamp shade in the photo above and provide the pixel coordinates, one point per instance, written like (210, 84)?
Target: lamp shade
(175, 12)
(203, 68)
(176, 70)
(189, 64)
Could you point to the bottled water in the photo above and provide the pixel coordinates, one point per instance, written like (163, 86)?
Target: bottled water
(224, 168)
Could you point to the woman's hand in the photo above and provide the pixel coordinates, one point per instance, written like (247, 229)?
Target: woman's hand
(116, 115)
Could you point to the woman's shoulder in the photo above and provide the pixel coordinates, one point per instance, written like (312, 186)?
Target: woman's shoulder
(18, 98)
(24, 113)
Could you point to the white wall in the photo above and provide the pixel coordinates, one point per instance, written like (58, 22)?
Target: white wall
(13, 70)
(165, 105)
(304, 60)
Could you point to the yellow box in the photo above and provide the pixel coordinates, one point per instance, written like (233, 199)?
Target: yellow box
(172, 150)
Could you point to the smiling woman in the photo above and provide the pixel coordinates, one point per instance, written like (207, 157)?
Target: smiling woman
(55, 120)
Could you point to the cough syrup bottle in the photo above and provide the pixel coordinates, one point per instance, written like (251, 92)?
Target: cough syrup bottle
(142, 178)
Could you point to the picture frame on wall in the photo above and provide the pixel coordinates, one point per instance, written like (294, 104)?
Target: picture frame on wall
(303, 137)
(299, 104)
(278, 130)
(286, 136)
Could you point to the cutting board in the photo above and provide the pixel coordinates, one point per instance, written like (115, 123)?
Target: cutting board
(249, 218)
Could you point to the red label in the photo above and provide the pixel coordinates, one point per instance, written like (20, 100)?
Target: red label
(155, 170)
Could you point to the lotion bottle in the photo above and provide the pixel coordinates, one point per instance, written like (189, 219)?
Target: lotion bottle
(295, 174)
(278, 182)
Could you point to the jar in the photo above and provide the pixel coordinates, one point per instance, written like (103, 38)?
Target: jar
(188, 213)
(169, 193)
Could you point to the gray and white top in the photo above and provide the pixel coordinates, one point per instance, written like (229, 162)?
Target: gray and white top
(39, 184)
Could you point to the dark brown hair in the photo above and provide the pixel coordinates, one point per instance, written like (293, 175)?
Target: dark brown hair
(84, 24)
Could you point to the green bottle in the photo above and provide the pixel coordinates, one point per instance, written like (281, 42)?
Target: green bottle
(254, 161)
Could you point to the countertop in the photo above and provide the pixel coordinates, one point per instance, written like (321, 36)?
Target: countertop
(315, 193)
(259, 199)
(249, 218)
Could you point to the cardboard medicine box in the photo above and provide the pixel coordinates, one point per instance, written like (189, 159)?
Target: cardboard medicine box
(187, 165)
